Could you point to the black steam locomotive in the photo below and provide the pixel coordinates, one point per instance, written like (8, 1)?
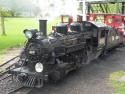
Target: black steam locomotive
(50, 58)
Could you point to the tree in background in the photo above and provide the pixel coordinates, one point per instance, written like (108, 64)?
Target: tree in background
(14, 13)
(2, 12)
(6, 13)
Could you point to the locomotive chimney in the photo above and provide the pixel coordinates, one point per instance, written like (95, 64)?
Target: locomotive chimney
(43, 26)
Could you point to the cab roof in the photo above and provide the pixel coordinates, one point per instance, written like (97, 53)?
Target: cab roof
(95, 24)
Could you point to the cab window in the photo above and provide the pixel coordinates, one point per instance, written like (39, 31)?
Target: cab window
(103, 33)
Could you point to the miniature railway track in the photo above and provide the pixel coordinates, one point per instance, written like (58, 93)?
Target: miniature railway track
(20, 90)
(15, 90)
(5, 67)
(5, 77)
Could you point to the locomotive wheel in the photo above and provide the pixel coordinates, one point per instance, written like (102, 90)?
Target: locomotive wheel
(79, 62)
(21, 61)
(88, 54)
(17, 65)
(57, 75)
(85, 58)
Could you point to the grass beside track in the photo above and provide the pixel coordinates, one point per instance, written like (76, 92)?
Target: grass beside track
(118, 85)
(14, 28)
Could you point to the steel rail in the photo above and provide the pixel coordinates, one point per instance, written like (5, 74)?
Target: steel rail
(9, 61)
(7, 69)
(15, 90)
(19, 89)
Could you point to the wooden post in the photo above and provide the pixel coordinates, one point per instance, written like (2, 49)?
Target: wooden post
(123, 7)
(84, 10)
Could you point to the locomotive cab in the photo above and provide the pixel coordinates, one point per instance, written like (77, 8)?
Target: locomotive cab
(95, 34)
(100, 37)
(114, 38)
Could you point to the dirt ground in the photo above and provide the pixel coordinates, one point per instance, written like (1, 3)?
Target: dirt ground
(90, 79)
(10, 53)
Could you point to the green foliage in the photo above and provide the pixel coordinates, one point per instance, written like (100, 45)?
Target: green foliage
(14, 29)
(14, 13)
(4, 12)
(119, 86)
(9, 13)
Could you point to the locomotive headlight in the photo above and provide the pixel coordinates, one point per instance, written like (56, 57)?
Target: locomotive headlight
(39, 67)
(28, 34)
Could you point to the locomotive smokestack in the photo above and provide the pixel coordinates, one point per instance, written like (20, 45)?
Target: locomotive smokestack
(43, 26)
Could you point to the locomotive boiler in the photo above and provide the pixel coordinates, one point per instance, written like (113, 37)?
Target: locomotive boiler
(51, 57)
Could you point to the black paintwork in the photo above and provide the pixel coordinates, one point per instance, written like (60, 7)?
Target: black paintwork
(64, 50)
